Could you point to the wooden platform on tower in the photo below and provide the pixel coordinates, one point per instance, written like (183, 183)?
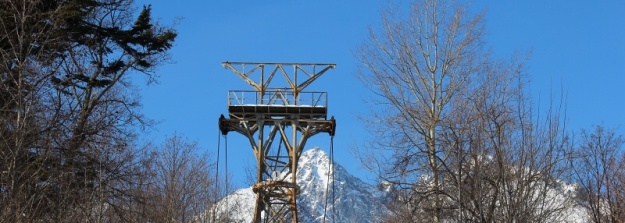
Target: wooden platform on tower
(279, 102)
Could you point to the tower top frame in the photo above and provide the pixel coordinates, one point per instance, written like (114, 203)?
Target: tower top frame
(260, 75)
(268, 99)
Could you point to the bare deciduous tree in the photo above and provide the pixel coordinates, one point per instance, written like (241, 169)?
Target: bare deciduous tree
(598, 168)
(182, 181)
(417, 65)
(456, 131)
(25, 118)
(67, 109)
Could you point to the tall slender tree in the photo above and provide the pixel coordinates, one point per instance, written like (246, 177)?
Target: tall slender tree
(26, 48)
(417, 64)
(597, 167)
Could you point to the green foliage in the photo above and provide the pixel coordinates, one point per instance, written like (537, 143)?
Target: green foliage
(138, 44)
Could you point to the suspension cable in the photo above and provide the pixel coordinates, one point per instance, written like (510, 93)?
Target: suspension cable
(227, 186)
(333, 180)
(216, 192)
(217, 186)
(227, 183)
(330, 173)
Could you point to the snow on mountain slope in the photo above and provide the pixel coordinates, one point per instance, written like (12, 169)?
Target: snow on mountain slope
(357, 201)
(354, 200)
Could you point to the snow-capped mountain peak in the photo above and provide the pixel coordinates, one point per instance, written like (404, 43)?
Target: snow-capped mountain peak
(349, 199)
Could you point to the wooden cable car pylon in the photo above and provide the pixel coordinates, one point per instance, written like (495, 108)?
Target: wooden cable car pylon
(286, 112)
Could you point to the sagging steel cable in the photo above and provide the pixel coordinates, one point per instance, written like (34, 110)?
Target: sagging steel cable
(216, 193)
(217, 186)
(330, 176)
(333, 179)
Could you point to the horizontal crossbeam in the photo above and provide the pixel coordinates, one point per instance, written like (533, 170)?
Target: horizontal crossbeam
(260, 75)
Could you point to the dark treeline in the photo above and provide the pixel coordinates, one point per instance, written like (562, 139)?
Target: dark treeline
(69, 118)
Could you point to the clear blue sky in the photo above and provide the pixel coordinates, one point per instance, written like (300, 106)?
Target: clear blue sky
(578, 47)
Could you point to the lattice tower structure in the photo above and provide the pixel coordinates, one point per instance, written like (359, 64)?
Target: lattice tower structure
(277, 122)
